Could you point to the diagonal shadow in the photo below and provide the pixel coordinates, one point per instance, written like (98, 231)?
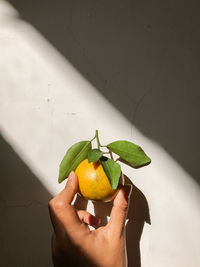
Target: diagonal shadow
(25, 225)
(143, 56)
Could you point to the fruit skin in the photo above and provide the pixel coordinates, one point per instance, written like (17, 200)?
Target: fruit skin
(93, 182)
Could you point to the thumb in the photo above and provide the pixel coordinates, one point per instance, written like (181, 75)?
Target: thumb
(61, 211)
(71, 188)
(119, 211)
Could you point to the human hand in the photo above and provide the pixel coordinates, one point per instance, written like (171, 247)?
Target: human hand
(102, 247)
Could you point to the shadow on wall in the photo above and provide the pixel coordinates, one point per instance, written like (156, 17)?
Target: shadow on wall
(143, 56)
(25, 225)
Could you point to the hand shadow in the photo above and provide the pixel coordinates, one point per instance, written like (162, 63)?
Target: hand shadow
(138, 214)
(80, 203)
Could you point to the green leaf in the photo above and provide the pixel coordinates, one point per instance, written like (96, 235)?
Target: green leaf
(129, 153)
(75, 154)
(112, 170)
(94, 155)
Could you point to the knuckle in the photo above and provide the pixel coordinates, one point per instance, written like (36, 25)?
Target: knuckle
(58, 205)
(55, 204)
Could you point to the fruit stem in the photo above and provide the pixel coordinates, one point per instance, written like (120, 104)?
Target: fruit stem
(97, 137)
(111, 155)
(93, 138)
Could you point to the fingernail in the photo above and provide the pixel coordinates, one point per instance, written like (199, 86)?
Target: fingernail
(128, 190)
(71, 175)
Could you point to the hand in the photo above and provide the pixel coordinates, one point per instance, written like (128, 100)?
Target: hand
(103, 247)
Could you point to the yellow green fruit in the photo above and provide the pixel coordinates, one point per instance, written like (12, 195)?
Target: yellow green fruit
(93, 182)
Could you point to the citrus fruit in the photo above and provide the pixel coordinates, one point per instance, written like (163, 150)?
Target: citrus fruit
(93, 182)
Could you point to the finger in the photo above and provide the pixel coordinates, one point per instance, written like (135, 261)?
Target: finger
(61, 211)
(119, 211)
(66, 196)
(70, 189)
(88, 218)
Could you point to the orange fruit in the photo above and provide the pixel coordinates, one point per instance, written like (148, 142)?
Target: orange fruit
(93, 182)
